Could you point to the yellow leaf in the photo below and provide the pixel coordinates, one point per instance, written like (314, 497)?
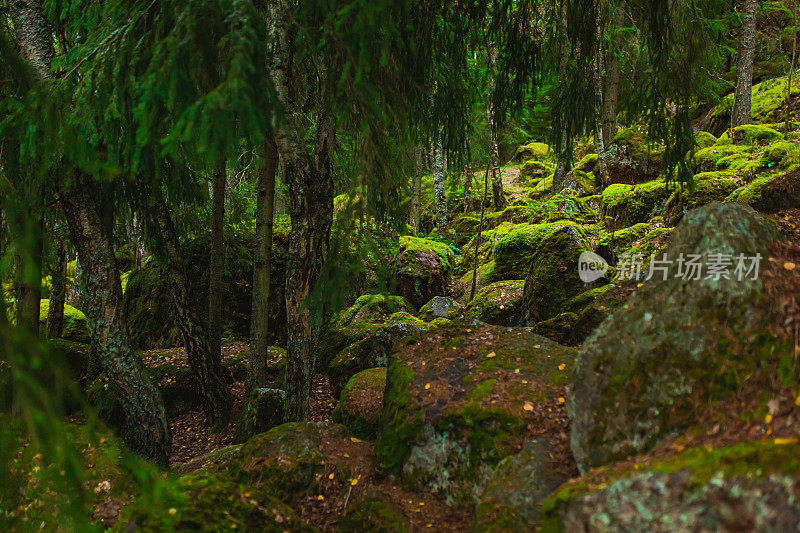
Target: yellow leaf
(490, 354)
(354, 439)
(320, 497)
(679, 448)
(469, 331)
(639, 284)
(427, 386)
(331, 476)
(769, 431)
(768, 419)
(797, 400)
(354, 482)
(528, 406)
(422, 503)
(788, 265)
(562, 366)
(561, 400)
(536, 346)
(782, 441)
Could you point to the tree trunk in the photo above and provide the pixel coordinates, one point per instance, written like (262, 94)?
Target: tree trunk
(564, 156)
(791, 71)
(58, 293)
(416, 187)
(740, 114)
(29, 272)
(259, 322)
(204, 364)
(310, 180)
(439, 197)
(140, 250)
(611, 93)
(145, 429)
(494, 149)
(469, 202)
(597, 72)
(216, 262)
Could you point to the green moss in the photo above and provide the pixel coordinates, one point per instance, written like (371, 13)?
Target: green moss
(498, 303)
(75, 327)
(210, 502)
(262, 411)
(393, 446)
(359, 407)
(781, 154)
(581, 182)
(537, 151)
(707, 187)
(704, 139)
(534, 170)
(623, 237)
(587, 164)
(629, 204)
(585, 298)
(707, 159)
(544, 187)
(402, 317)
(757, 134)
(337, 338)
(373, 308)
(514, 252)
(373, 514)
(768, 192)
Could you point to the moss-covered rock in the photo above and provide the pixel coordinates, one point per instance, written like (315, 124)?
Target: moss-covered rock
(374, 308)
(402, 317)
(262, 411)
(674, 343)
(532, 171)
(338, 338)
(460, 399)
(369, 352)
(757, 134)
(631, 159)
(706, 188)
(722, 157)
(749, 486)
(587, 164)
(770, 192)
(498, 303)
(561, 328)
(423, 269)
(373, 513)
(535, 151)
(462, 288)
(75, 328)
(441, 307)
(594, 306)
(627, 205)
(514, 252)
(210, 502)
(512, 498)
(553, 278)
(581, 182)
(148, 299)
(703, 139)
(361, 401)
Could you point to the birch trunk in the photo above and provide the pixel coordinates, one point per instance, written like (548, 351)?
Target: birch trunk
(598, 88)
(439, 197)
(416, 187)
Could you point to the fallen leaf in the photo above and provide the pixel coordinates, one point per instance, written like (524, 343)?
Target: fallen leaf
(562, 366)
(331, 476)
(320, 497)
(427, 386)
(528, 406)
(537, 346)
(561, 400)
(788, 265)
(783, 441)
(354, 482)
(491, 354)
(768, 419)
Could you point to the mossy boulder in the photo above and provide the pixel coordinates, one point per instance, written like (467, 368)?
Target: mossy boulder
(706, 188)
(631, 159)
(369, 352)
(460, 399)
(770, 192)
(462, 288)
(498, 303)
(514, 252)
(512, 499)
(263, 410)
(587, 164)
(210, 502)
(75, 327)
(148, 299)
(374, 308)
(373, 513)
(627, 205)
(553, 278)
(594, 306)
(423, 269)
(724, 157)
(361, 401)
(535, 151)
(561, 328)
(756, 134)
(704, 139)
(674, 344)
(337, 338)
(441, 307)
(749, 486)
(532, 171)
(402, 317)
(581, 182)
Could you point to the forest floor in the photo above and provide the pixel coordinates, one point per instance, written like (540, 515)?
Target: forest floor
(192, 439)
